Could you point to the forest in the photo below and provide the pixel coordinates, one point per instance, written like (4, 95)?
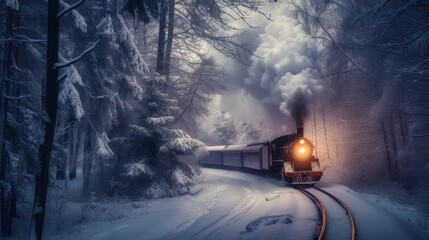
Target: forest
(106, 99)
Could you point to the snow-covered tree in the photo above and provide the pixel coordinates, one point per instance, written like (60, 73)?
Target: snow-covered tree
(177, 46)
(376, 58)
(20, 105)
(248, 132)
(97, 90)
(157, 144)
(224, 128)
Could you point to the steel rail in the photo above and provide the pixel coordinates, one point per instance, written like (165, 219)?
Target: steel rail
(321, 209)
(352, 221)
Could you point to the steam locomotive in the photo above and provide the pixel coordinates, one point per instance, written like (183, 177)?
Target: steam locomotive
(289, 155)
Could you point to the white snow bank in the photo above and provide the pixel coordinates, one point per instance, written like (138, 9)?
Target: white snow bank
(236, 205)
(376, 221)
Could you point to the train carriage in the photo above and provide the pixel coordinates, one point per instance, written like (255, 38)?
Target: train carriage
(289, 155)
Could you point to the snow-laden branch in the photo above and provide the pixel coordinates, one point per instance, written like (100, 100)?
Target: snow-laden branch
(18, 98)
(70, 8)
(23, 38)
(97, 97)
(127, 41)
(102, 142)
(73, 60)
(78, 18)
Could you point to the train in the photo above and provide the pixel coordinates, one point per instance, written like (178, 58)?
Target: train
(292, 156)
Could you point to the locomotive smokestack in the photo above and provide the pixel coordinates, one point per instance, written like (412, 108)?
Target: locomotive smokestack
(299, 126)
(300, 131)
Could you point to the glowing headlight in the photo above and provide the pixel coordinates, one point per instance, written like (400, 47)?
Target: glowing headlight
(301, 150)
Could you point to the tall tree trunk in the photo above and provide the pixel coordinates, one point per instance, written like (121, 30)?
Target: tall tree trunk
(171, 4)
(394, 146)
(326, 136)
(17, 92)
(62, 140)
(87, 160)
(386, 144)
(73, 146)
(161, 39)
(42, 172)
(402, 119)
(404, 133)
(67, 157)
(6, 196)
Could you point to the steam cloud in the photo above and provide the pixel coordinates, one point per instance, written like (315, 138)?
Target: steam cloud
(285, 67)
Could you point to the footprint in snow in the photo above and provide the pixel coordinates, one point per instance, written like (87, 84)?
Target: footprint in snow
(266, 221)
(271, 197)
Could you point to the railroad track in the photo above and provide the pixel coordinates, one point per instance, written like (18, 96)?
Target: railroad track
(323, 210)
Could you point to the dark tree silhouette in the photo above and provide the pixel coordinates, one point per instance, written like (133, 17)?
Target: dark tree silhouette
(7, 188)
(42, 172)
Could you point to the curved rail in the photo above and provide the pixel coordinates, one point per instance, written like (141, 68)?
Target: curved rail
(321, 209)
(352, 221)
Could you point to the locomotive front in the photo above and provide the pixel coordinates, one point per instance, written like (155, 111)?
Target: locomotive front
(300, 165)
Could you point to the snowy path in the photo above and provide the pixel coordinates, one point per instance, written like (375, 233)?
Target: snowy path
(235, 205)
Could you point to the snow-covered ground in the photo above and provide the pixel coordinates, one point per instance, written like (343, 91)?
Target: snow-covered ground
(235, 205)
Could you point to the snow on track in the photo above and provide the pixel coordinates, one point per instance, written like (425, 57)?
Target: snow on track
(373, 222)
(338, 222)
(235, 205)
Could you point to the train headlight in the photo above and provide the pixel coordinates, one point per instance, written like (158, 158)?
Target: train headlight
(302, 150)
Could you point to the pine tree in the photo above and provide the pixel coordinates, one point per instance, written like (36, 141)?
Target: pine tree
(159, 144)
